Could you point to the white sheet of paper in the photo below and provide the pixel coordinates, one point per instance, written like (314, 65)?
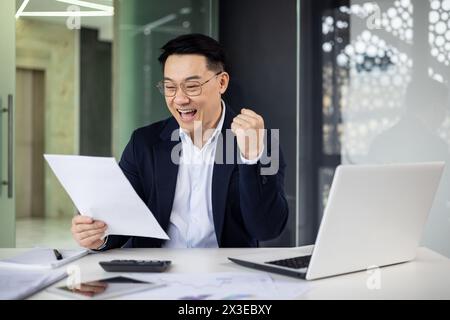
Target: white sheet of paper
(43, 258)
(19, 284)
(219, 286)
(100, 190)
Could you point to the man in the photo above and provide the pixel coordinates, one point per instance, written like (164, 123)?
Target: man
(199, 201)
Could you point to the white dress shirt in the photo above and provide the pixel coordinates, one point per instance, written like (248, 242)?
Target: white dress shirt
(191, 221)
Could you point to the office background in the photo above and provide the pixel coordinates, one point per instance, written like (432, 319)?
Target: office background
(345, 81)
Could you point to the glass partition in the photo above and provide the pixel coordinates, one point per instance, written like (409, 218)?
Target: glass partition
(386, 73)
(142, 27)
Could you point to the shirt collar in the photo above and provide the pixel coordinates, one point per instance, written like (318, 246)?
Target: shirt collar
(184, 134)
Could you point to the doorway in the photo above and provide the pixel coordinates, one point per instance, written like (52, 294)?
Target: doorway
(29, 143)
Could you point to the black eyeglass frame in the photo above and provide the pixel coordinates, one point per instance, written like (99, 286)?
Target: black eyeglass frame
(182, 85)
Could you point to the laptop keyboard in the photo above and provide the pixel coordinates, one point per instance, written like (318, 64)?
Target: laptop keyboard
(294, 263)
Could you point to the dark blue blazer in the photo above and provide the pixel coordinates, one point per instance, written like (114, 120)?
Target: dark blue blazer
(247, 207)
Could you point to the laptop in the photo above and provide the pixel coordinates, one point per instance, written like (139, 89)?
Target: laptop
(374, 217)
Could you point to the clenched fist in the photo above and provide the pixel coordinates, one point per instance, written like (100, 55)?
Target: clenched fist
(88, 232)
(249, 130)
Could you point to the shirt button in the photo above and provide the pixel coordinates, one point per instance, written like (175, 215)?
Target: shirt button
(264, 179)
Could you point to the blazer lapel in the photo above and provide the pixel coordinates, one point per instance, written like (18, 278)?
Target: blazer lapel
(221, 175)
(166, 171)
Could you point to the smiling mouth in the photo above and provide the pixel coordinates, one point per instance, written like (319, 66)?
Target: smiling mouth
(187, 114)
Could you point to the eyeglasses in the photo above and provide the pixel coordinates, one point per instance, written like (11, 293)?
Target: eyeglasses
(190, 88)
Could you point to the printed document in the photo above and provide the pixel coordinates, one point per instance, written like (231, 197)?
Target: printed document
(99, 189)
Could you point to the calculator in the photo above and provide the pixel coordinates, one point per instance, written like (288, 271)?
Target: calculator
(135, 265)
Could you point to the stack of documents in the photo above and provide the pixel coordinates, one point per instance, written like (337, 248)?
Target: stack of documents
(32, 271)
(42, 258)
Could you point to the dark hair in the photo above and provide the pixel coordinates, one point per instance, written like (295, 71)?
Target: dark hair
(196, 44)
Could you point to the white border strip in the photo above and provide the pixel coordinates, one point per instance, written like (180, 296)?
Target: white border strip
(89, 5)
(103, 11)
(22, 7)
(66, 14)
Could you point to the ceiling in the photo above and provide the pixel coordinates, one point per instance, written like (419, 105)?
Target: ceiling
(103, 23)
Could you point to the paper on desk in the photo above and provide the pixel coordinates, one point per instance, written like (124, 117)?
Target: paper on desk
(38, 258)
(219, 286)
(19, 284)
(100, 190)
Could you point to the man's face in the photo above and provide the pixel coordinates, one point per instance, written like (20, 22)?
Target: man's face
(205, 107)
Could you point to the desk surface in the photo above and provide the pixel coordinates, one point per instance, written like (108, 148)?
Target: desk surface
(427, 277)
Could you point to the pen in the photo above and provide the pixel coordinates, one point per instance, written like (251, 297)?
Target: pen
(58, 255)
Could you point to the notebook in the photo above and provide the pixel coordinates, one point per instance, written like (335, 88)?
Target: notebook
(43, 258)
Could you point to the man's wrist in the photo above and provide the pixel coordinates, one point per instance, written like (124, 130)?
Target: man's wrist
(105, 240)
(251, 160)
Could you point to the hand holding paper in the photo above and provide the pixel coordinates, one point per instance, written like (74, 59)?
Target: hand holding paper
(100, 190)
(87, 232)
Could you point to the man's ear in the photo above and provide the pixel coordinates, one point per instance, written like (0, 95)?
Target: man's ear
(224, 80)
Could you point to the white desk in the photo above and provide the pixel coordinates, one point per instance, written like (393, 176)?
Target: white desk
(427, 277)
